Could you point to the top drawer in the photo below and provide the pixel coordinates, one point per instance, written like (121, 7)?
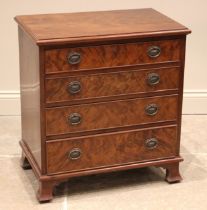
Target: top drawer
(106, 56)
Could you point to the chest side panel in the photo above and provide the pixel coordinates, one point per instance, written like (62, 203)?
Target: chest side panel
(30, 95)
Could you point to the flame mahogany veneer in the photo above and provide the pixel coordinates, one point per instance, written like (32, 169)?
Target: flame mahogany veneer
(100, 92)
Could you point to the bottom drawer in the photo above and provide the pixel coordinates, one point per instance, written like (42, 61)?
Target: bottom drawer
(106, 150)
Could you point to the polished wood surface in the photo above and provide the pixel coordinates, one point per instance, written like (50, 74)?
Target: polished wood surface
(105, 56)
(181, 86)
(172, 173)
(56, 28)
(108, 115)
(113, 72)
(93, 86)
(110, 149)
(59, 177)
(30, 95)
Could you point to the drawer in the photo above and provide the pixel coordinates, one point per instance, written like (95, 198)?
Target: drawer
(111, 149)
(106, 56)
(112, 84)
(107, 115)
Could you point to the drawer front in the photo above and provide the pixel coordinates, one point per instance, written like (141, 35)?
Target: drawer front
(107, 115)
(111, 149)
(112, 84)
(106, 56)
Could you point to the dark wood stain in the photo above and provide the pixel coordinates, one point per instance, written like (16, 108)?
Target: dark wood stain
(86, 26)
(111, 56)
(113, 73)
(110, 114)
(30, 95)
(111, 84)
(112, 149)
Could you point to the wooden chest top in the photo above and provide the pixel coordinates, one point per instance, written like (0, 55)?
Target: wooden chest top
(91, 26)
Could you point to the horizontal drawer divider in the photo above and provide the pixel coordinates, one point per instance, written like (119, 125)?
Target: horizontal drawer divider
(115, 69)
(111, 130)
(112, 98)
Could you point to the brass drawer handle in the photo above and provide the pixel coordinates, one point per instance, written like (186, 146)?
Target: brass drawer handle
(151, 143)
(154, 51)
(153, 79)
(151, 109)
(75, 119)
(74, 154)
(74, 58)
(74, 87)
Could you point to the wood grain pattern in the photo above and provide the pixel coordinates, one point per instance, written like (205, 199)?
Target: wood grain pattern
(110, 149)
(111, 84)
(57, 28)
(47, 182)
(114, 65)
(108, 115)
(107, 56)
(64, 176)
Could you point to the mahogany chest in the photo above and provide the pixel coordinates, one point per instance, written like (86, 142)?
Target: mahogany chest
(100, 92)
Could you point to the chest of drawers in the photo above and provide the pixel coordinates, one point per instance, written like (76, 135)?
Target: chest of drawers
(100, 92)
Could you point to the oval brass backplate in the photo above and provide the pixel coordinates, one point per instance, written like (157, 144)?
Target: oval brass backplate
(151, 143)
(74, 119)
(74, 58)
(151, 109)
(153, 79)
(154, 51)
(75, 154)
(74, 87)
